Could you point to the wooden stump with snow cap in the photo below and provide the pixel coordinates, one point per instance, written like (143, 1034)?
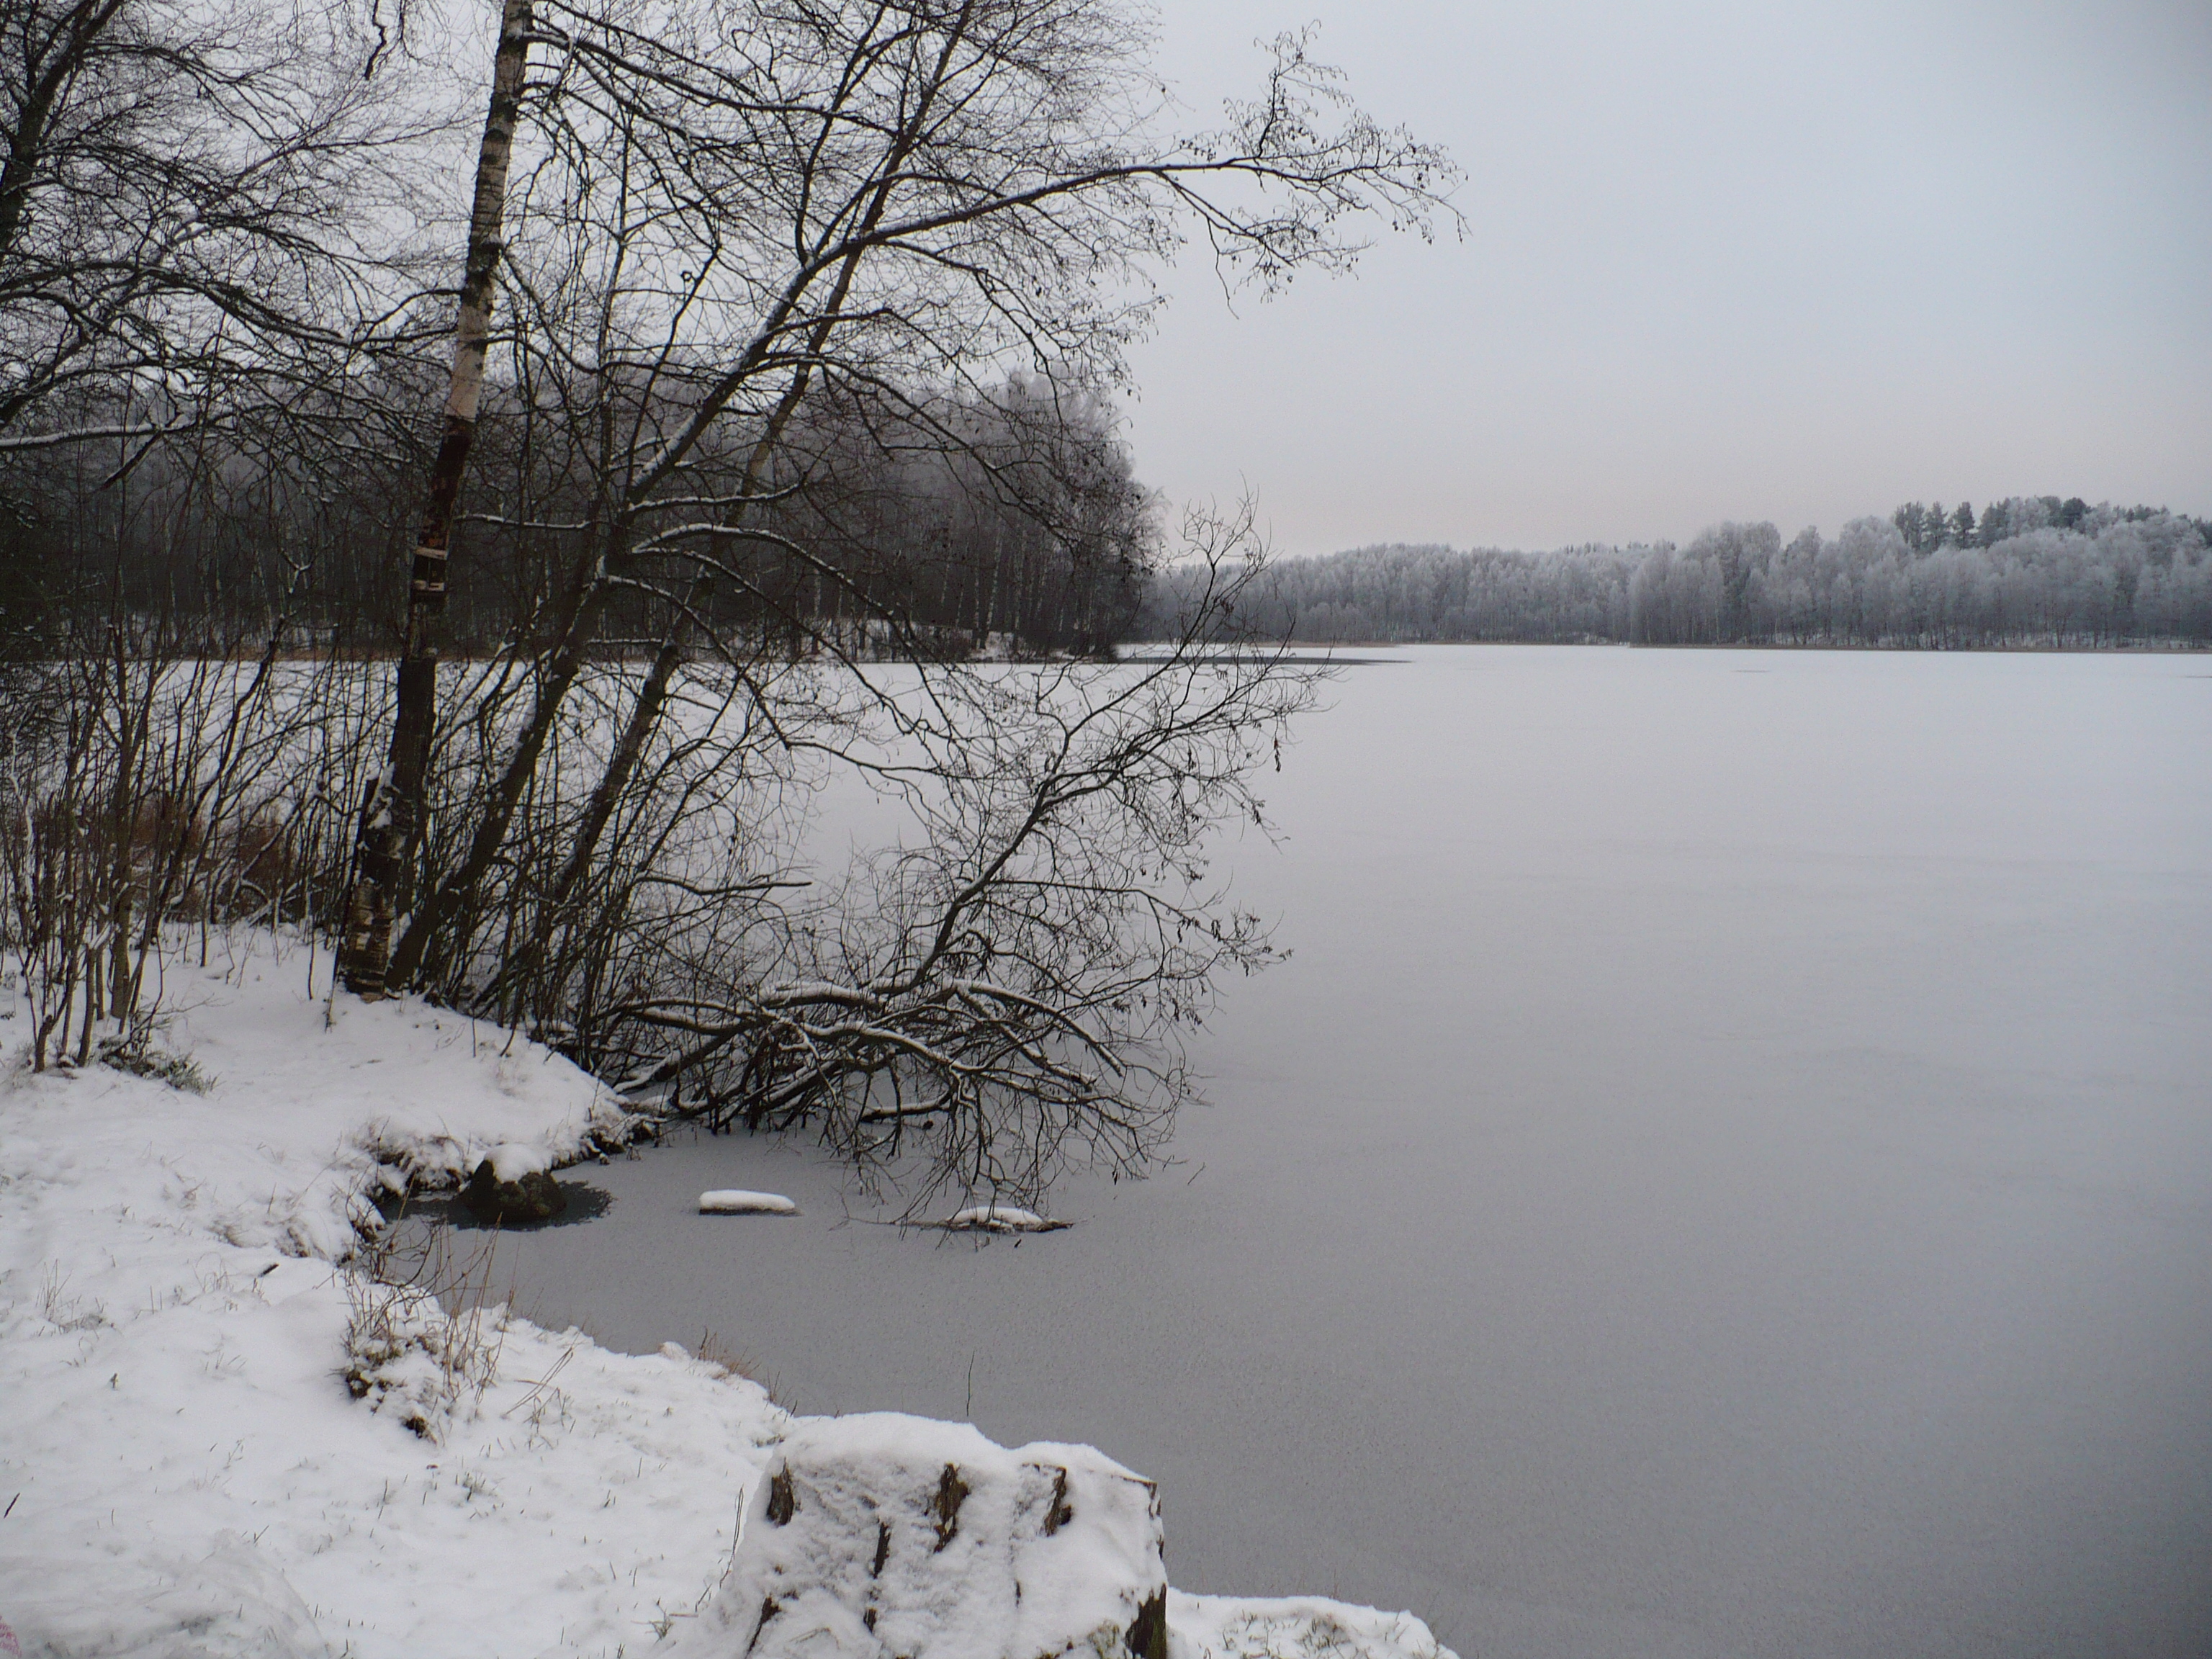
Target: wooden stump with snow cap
(882, 1536)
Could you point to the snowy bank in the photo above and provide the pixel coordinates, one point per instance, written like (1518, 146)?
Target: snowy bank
(207, 1434)
(189, 1461)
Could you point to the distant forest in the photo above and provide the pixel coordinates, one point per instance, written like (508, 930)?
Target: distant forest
(2033, 571)
(1008, 514)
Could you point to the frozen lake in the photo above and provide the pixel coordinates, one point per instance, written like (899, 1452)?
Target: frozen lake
(1727, 1172)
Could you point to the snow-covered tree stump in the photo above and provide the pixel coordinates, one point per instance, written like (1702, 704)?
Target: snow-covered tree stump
(883, 1536)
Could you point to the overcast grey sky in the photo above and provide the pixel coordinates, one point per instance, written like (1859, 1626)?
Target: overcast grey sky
(1786, 262)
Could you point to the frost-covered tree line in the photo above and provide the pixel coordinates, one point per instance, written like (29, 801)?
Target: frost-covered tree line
(2053, 574)
(1930, 526)
(466, 498)
(2112, 577)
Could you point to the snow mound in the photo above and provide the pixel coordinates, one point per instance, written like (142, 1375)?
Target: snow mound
(1000, 1218)
(1252, 1627)
(736, 1201)
(231, 1603)
(882, 1534)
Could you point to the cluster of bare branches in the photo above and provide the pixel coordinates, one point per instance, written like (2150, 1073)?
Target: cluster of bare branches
(150, 795)
(772, 467)
(199, 213)
(1000, 988)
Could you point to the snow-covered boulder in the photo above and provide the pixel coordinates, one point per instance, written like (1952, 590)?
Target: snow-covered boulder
(1244, 1627)
(515, 1187)
(737, 1200)
(1000, 1218)
(880, 1534)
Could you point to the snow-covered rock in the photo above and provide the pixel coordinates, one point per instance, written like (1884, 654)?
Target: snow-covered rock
(736, 1201)
(999, 1218)
(522, 1201)
(880, 1534)
(511, 1160)
(1292, 1627)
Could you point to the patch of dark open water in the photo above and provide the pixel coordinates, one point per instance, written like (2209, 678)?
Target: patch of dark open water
(584, 1202)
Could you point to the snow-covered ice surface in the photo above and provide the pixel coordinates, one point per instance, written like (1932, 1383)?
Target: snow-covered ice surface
(1727, 1172)
(189, 1472)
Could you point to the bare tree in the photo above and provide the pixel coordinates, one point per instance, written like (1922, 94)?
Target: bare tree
(727, 202)
(736, 230)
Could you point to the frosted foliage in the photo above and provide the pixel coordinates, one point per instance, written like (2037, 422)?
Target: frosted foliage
(883, 1534)
(2113, 579)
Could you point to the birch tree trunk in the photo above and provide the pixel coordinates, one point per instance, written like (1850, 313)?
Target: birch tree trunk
(392, 817)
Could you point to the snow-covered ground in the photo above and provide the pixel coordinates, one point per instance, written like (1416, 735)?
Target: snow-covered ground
(186, 1465)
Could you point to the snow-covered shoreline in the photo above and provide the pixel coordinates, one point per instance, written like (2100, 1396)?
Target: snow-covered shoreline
(188, 1467)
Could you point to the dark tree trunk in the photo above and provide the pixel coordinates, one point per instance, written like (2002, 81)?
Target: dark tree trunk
(392, 817)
